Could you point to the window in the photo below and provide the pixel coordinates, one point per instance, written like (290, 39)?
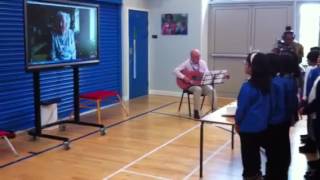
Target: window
(309, 26)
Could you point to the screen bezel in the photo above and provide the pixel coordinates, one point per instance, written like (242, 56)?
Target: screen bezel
(37, 67)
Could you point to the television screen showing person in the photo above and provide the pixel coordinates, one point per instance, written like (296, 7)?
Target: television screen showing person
(59, 34)
(63, 43)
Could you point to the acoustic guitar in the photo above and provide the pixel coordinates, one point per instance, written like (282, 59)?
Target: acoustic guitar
(198, 79)
(194, 76)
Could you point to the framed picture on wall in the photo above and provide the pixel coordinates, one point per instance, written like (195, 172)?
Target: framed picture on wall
(174, 24)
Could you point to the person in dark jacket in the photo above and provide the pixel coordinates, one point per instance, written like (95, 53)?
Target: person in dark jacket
(253, 112)
(312, 108)
(277, 137)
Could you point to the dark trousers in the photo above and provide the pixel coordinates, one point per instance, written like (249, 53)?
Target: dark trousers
(250, 153)
(316, 129)
(278, 152)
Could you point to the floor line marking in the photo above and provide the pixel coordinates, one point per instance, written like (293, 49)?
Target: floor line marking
(34, 154)
(151, 152)
(146, 175)
(140, 115)
(174, 115)
(216, 152)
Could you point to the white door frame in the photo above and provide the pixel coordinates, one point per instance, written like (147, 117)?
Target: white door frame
(125, 49)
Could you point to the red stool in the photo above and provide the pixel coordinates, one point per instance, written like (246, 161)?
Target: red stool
(99, 96)
(5, 135)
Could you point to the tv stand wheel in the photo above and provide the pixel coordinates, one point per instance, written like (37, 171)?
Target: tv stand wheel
(103, 131)
(62, 127)
(66, 145)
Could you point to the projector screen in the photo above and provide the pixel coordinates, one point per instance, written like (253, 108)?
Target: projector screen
(60, 33)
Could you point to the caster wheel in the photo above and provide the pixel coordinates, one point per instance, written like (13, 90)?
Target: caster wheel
(66, 145)
(103, 131)
(62, 127)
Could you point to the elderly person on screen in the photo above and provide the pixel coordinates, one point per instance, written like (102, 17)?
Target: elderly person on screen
(63, 43)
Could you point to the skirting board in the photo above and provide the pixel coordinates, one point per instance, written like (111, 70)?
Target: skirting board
(165, 93)
(178, 93)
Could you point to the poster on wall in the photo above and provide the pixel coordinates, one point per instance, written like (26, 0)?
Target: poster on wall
(174, 24)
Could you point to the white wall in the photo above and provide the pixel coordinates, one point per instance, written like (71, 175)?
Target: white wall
(205, 26)
(166, 52)
(169, 51)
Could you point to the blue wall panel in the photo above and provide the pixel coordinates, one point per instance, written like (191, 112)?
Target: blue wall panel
(110, 1)
(16, 86)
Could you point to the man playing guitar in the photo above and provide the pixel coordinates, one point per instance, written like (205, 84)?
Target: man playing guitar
(191, 72)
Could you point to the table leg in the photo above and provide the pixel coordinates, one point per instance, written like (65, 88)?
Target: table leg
(201, 148)
(232, 137)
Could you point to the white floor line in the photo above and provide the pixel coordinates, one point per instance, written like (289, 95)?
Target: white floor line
(146, 175)
(154, 150)
(208, 159)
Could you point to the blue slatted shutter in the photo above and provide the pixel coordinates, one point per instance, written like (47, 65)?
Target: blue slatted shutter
(16, 86)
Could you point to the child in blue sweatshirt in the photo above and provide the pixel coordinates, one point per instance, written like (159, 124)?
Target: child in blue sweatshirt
(284, 103)
(313, 109)
(310, 146)
(312, 76)
(253, 112)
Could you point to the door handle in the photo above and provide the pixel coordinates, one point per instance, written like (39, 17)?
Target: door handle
(134, 59)
(130, 51)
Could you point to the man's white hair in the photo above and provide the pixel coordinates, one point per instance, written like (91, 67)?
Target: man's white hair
(197, 51)
(65, 16)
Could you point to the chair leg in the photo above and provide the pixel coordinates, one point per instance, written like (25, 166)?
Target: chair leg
(99, 112)
(11, 146)
(123, 106)
(204, 97)
(181, 101)
(189, 104)
(213, 101)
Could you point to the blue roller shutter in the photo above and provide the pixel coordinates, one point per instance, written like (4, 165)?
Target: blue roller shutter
(16, 86)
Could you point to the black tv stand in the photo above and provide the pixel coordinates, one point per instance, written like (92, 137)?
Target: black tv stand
(37, 131)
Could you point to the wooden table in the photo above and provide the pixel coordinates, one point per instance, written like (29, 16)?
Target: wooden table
(217, 117)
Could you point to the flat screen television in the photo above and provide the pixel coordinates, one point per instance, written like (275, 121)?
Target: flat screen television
(60, 33)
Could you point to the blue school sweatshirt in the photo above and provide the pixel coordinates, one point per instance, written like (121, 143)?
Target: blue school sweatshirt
(313, 74)
(278, 101)
(291, 97)
(253, 109)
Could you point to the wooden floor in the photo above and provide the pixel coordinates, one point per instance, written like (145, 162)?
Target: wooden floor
(154, 142)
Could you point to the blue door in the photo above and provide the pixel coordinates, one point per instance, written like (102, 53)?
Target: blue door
(138, 53)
